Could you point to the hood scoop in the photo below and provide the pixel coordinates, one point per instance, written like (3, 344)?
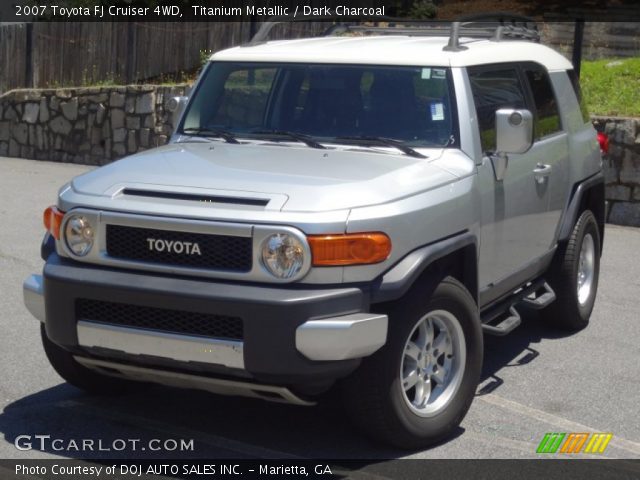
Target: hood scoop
(200, 198)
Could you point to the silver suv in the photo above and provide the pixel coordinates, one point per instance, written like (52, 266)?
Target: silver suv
(350, 211)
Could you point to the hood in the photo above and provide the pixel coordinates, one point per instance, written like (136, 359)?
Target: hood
(288, 178)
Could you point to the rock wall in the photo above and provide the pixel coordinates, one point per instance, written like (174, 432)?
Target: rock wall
(622, 169)
(85, 125)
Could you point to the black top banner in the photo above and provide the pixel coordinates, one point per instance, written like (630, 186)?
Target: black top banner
(330, 10)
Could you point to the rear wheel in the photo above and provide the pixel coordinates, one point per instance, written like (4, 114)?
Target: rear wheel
(417, 389)
(77, 375)
(574, 276)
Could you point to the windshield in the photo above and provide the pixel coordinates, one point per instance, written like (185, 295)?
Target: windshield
(326, 102)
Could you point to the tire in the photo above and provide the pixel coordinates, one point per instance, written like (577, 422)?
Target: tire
(575, 287)
(77, 375)
(376, 396)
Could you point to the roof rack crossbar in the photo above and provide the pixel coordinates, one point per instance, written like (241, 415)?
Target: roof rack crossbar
(435, 30)
(493, 26)
(502, 25)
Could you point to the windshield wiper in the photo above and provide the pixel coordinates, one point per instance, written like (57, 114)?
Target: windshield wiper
(384, 142)
(211, 132)
(300, 137)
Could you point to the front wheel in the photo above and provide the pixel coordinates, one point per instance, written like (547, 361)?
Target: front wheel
(417, 389)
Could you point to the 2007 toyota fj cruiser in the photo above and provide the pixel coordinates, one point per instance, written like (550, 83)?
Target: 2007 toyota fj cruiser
(355, 209)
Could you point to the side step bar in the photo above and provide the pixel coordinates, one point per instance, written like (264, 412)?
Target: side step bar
(509, 320)
(503, 318)
(540, 298)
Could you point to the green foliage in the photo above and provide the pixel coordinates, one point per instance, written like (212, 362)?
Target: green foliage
(611, 86)
(204, 56)
(422, 10)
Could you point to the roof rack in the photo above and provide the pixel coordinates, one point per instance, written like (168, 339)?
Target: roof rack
(496, 26)
(261, 35)
(493, 26)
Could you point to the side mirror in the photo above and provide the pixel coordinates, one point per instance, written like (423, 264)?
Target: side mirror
(514, 134)
(176, 104)
(514, 130)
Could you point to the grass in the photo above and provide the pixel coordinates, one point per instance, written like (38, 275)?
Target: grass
(611, 86)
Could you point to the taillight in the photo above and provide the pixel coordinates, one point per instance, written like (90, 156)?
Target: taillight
(52, 219)
(603, 140)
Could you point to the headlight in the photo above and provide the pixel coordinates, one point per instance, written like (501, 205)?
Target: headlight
(282, 255)
(78, 234)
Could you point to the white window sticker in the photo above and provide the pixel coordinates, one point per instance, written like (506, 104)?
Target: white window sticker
(439, 73)
(426, 73)
(437, 111)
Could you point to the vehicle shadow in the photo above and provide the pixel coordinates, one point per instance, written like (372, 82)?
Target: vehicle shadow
(220, 427)
(516, 349)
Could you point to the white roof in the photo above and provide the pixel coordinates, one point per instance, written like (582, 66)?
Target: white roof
(395, 50)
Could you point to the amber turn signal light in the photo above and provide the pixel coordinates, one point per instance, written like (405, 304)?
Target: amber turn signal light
(52, 219)
(349, 249)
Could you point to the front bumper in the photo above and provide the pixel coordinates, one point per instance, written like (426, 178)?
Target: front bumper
(292, 335)
(33, 293)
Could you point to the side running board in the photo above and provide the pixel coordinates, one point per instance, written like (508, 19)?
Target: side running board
(507, 320)
(540, 298)
(503, 318)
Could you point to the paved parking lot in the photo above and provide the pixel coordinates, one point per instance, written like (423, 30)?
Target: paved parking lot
(535, 380)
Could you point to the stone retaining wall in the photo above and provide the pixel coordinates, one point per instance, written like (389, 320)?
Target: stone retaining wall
(622, 169)
(85, 125)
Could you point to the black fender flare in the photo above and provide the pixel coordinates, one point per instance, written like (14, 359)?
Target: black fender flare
(572, 211)
(397, 281)
(48, 246)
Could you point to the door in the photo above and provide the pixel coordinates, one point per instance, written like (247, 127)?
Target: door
(517, 226)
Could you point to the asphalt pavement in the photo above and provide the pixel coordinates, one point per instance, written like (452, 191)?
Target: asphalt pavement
(535, 380)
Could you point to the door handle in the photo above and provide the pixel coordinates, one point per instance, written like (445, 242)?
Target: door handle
(541, 172)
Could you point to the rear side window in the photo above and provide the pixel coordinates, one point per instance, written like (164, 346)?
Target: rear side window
(494, 89)
(575, 82)
(547, 118)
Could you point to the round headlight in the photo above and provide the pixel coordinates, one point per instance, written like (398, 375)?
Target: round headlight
(282, 255)
(79, 234)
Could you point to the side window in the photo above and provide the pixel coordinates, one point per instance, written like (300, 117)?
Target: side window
(494, 89)
(547, 117)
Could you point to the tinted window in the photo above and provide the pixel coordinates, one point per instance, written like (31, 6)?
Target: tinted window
(412, 104)
(244, 97)
(547, 119)
(493, 90)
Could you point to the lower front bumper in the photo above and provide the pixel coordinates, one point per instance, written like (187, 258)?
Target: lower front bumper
(291, 335)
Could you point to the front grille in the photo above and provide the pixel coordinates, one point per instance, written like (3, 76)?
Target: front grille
(160, 319)
(218, 252)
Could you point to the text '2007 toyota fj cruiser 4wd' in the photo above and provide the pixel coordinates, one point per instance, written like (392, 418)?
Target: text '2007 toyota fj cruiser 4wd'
(352, 210)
